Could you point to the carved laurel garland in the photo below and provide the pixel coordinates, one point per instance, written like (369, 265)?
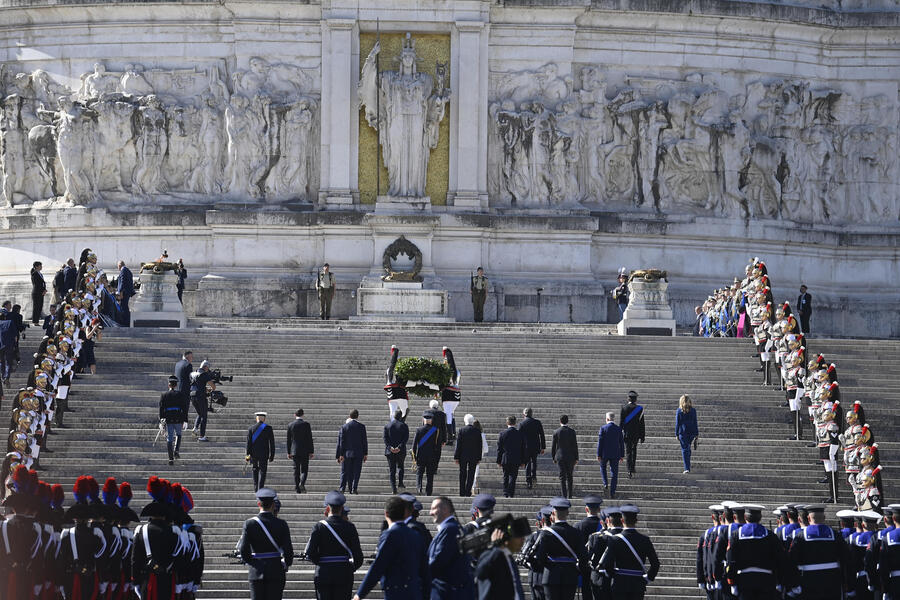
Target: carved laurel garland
(401, 246)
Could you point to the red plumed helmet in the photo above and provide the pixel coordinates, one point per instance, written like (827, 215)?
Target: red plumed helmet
(59, 495)
(187, 501)
(125, 494)
(176, 494)
(82, 489)
(155, 488)
(110, 491)
(856, 406)
(94, 487)
(44, 492)
(831, 368)
(785, 306)
(20, 479)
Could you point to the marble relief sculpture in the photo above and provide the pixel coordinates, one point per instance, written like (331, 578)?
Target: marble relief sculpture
(143, 134)
(406, 109)
(777, 149)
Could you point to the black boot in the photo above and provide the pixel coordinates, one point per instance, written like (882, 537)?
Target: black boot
(171, 451)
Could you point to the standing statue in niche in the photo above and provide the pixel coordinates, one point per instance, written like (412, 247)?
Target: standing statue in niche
(152, 143)
(75, 139)
(408, 119)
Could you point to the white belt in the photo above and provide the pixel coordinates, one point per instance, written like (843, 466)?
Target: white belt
(754, 570)
(819, 566)
(895, 573)
(861, 574)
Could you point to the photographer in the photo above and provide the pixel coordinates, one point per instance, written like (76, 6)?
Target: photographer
(173, 413)
(497, 574)
(199, 381)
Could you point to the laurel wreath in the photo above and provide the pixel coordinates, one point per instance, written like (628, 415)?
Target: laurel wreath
(424, 377)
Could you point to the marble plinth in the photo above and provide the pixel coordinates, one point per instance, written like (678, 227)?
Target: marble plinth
(156, 303)
(649, 311)
(391, 205)
(402, 301)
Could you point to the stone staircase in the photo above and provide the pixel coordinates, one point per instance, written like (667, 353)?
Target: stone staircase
(328, 368)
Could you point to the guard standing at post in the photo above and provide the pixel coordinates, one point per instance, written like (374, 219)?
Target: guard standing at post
(632, 419)
(334, 548)
(561, 554)
(625, 556)
(265, 546)
(755, 559)
(478, 287)
(260, 449)
(325, 289)
(173, 411)
(425, 453)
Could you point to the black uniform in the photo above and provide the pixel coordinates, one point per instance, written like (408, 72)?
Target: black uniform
(425, 451)
(565, 455)
(23, 536)
(535, 575)
(596, 547)
(889, 563)
(632, 420)
(335, 565)
(497, 576)
(623, 568)
(154, 570)
(261, 450)
(300, 447)
(822, 560)
(756, 562)
(268, 563)
(561, 565)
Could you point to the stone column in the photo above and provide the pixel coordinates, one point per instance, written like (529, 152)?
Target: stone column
(468, 116)
(339, 112)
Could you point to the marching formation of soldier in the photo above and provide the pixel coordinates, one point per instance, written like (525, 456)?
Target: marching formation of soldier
(98, 547)
(43, 403)
(840, 430)
(803, 557)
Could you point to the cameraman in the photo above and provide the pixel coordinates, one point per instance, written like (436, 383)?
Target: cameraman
(497, 574)
(199, 380)
(173, 412)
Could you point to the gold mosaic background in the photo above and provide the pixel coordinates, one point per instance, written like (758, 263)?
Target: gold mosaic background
(430, 49)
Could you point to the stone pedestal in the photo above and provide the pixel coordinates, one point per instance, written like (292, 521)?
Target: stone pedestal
(394, 205)
(156, 303)
(401, 301)
(648, 312)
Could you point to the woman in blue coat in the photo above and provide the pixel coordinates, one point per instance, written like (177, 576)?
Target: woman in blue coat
(686, 429)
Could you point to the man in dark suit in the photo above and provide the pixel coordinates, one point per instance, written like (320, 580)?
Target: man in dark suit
(535, 443)
(59, 284)
(425, 452)
(449, 569)
(71, 275)
(300, 449)
(497, 574)
(260, 449)
(396, 435)
(467, 454)
(625, 557)
(334, 548)
(400, 561)
(561, 554)
(183, 370)
(352, 451)
(38, 291)
(510, 455)
(565, 455)
(124, 291)
(267, 562)
(610, 450)
(804, 309)
(632, 419)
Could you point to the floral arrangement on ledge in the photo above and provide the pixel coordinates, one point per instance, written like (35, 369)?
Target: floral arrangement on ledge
(424, 377)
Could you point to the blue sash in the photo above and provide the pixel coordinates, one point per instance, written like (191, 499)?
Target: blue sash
(257, 433)
(633, 414)
(427, 435)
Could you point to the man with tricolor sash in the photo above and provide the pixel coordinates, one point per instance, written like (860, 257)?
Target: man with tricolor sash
(260, 449)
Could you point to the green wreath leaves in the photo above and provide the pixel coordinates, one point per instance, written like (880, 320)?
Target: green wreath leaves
(419, 372)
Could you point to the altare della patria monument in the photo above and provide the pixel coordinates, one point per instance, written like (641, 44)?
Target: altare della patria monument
(409, 142)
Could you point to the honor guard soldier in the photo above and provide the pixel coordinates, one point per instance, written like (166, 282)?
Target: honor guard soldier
(785, 532)
(857, 544)
(300, 449)
(448, 568)
(732, 519)
(395, 388)
(173, 413)
(400, 561)
(873, 551)
(705, 580)
(625, 556)
(325, 288)
(152, 559)
(535, 575)
(632, 419)
(334, 548)
(260, 449)
(482, 510)
(478, 287)
(20, 537)
(756, 560)
(424, 451)
(889, 560)
(596, 547)
(560, 554)
(821, 559)
(266, 548)
(80, 546)
(592, 522)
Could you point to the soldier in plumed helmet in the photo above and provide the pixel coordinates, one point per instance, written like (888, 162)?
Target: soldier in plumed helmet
(450, 394)
(19, 534)
(155, 546)
(80, 546)
(395, 388)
